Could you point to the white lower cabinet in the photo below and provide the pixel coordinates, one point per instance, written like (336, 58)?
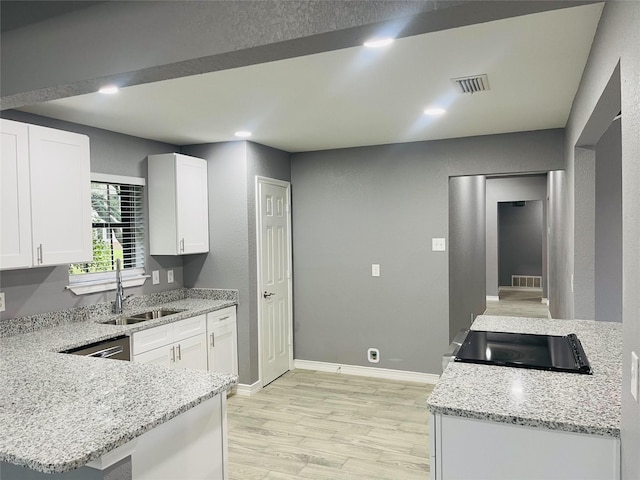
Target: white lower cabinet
(222, 341)
(179, 344)
(191, 446)
(465, 448)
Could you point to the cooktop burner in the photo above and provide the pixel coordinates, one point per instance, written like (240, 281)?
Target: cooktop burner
(525, 350)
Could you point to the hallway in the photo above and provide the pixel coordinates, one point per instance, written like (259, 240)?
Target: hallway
(518, 302)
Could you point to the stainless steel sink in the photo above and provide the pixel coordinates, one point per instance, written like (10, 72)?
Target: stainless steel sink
(153, 314)
(142, 317)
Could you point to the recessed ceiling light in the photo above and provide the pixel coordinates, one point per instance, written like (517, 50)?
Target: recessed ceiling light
(378, 42)
(242, 134)
(435, 111)
(109, 90)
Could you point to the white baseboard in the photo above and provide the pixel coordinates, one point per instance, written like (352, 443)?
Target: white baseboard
(493, 298)
(386, 373)
(245, 390)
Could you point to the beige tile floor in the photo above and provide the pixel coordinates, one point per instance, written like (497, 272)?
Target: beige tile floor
(315, 425)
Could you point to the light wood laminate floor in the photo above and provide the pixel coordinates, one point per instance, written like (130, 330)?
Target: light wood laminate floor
(516, 302)
(315, 425)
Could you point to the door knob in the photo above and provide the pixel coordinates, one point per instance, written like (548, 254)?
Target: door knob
(267, 295)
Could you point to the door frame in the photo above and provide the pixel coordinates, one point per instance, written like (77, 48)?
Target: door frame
(287, 185)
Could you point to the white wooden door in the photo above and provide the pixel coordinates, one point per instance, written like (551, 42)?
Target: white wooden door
(60, 196)
(192, 353)
(15, 197)
(273, 241)
(192, 204)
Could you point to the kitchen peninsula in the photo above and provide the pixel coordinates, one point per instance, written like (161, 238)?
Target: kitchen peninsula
(496, 422)
(81, 417)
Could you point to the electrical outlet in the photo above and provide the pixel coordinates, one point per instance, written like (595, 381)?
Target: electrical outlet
(438, 245)
(634, 375)
(169, 276)
(373, 355)
(155, 277)
(2, 306)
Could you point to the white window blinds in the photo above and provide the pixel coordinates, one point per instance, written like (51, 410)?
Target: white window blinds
(117, 228)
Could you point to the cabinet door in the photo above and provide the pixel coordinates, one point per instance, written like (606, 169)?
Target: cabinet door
(159, 356)
(15, 197)
(192, 353)
(192, 205)
(222, 348)
(60, 196)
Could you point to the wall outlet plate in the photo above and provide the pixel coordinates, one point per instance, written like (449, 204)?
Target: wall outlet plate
(155, 277)
(635, 366)
(373, 355)
(169, 276)
(438, 245)
(2, 306)
(375, 270)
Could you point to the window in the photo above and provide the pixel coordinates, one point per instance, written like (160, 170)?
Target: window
(117, 233)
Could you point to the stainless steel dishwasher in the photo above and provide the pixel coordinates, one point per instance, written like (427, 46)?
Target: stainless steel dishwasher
(117, 348)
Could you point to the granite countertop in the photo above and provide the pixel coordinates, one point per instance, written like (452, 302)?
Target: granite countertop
(58, 412)
(589, 404)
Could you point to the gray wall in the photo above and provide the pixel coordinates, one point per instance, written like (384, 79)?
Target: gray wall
(608, 226)
(584, 233)
(508, 189)
(39, 290)
(520, 231)
(557, 245)
(231, 261)
(616, 41)
(467, 250)
(384, 204)
(227, 263)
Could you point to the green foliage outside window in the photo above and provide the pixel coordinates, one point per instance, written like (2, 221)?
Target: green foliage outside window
(110, 222)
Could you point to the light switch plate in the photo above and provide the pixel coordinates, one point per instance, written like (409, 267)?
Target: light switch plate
(634, 375)
(169, 276)
(375, 270)
(438, 245)
(155, 277)
(2, 306)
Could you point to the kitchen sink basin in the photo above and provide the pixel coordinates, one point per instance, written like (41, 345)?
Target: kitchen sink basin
(142, 317)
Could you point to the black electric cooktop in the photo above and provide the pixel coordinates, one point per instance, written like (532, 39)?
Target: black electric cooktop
(524, 350)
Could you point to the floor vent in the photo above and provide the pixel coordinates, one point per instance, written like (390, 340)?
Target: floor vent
(476, 83)
(526, 281)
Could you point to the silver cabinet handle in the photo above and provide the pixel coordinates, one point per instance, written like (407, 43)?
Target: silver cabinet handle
(182, 244)
(213, 340)
(39, 253)
(179, 353)
(173, 354)
(267, 295)
(223, 318)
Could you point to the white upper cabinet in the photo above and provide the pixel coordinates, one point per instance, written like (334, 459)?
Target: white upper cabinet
(15, 197)
(46, 197)
(178, 204)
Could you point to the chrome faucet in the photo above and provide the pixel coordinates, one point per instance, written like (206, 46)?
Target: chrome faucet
(117, 307)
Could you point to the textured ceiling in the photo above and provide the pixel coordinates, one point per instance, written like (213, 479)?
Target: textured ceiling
(357, 96)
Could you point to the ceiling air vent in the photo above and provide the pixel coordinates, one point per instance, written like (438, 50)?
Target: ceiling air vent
(476, 83)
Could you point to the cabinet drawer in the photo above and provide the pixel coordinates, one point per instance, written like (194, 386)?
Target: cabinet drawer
(225, 314)
(189, 327)
(152, 338)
